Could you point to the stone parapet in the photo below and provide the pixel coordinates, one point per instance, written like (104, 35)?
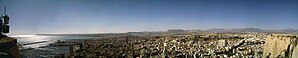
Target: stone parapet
(9, 48)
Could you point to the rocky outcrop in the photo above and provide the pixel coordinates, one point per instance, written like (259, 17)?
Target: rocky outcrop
(280, 46)
(9, 48)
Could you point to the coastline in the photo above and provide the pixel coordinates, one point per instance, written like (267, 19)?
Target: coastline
(54, 49)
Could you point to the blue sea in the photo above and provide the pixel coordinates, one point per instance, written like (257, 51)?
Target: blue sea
(24, 39)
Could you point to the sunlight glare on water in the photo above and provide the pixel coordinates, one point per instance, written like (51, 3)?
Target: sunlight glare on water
(24, 39)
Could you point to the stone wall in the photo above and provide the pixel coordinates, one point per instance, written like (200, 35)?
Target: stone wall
(280, 45)
(9, 48)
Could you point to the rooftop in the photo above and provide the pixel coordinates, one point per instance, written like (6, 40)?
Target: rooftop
(5, 39)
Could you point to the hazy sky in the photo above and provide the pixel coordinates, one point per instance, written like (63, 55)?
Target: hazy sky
(101, 16)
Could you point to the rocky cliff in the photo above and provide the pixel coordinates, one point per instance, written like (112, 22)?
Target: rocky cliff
(280, 46)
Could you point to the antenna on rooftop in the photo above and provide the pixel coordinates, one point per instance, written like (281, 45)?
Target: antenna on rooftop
(4, 24)
(4, 10)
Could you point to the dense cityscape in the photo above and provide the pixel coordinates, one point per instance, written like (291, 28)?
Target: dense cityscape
(170, 44)
(148, 29)
(185, 46)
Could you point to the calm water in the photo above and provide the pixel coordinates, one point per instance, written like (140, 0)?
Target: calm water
(23, 39)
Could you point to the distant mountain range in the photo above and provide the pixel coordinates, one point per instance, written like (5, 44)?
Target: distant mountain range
(223, 30)
(235, 30)
(294, 31)
(253, 30)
